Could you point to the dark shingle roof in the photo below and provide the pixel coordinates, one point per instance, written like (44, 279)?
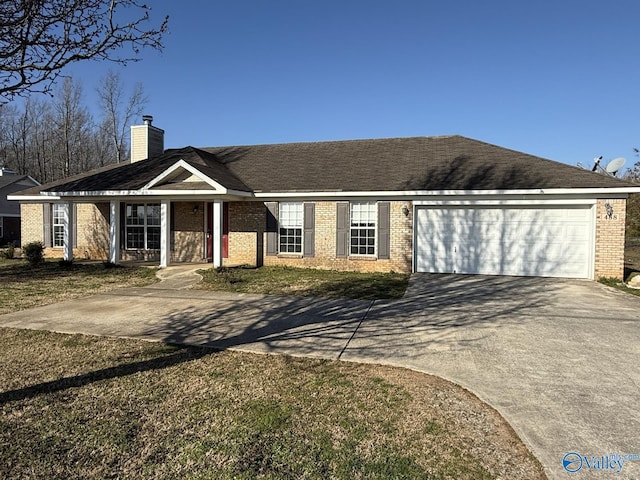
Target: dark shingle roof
(418, 163)
(133, 176)
(394, 164)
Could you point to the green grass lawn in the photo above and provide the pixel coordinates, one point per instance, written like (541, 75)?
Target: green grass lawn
(305, 282)
(24, 286)
(74, 406)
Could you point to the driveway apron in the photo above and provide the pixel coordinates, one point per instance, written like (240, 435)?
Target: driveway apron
(558, 359)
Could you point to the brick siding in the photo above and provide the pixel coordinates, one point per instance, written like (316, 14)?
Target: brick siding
(609, 254)
(31, 219)
(247, 243)
(188, 232)
(247, 224)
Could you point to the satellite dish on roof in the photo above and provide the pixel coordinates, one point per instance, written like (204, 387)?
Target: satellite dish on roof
(579, 164)
(615, 165)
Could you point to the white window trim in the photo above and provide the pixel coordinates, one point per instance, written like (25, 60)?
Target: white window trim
(301, 206)
(145, 226)
(61, 224)
(375, 232)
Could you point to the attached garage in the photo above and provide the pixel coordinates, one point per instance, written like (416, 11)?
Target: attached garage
(527, 240)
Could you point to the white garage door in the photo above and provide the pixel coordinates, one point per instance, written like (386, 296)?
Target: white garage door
(531, 241)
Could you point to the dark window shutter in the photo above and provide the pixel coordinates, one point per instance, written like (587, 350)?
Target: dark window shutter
(46, 225)
(384, 230)
(342, 230)
(74, 226)
(309, 229)
(272, 228)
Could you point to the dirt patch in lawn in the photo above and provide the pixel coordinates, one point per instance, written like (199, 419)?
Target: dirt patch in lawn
(75, 406)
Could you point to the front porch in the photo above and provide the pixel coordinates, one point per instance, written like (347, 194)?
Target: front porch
(165, 232)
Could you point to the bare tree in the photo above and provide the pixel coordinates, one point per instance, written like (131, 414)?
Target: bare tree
(39, 38)
(7, 116)
(73, 125)
(19, 139)
(118, 112)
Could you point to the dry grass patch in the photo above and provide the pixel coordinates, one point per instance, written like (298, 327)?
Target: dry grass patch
(91, 407)
(23, 286)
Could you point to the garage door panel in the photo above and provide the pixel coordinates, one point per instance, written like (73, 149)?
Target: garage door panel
(505, 241)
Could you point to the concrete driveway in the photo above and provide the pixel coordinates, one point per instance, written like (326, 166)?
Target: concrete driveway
(559, 359)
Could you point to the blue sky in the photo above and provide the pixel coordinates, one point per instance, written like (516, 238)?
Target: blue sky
(559, 79)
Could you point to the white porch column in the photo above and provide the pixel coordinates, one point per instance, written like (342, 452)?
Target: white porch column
(216, 231)
(165, 233)
(67, 221)
(114, 232)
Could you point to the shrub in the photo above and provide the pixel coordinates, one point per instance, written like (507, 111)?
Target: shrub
(10, 251)
(33, 252)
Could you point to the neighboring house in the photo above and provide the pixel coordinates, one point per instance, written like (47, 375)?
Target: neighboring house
(428, 204)
(11, 183)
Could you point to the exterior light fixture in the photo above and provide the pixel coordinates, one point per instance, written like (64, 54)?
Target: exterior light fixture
(405, 210)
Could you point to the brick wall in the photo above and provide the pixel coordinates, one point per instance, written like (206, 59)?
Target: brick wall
(92, 221)
(247, 244)
(247, 223)
(188, 232)
(92, 234)
(31, 218)
(609, 255)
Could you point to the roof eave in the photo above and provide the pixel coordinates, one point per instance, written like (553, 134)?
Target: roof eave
(432, 193)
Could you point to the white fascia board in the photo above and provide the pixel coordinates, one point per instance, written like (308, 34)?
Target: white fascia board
(47, 196)
(32, 198)
(194, 171)
(439, 193)
(505, 201)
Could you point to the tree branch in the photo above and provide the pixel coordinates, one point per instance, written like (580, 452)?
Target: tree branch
(39, 38)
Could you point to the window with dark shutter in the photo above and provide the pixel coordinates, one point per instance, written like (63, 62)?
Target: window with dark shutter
(342, 229)
(363, 228)
(46, 225)
(309, 229)
(272, 228)
(290, 221)
(384, 230)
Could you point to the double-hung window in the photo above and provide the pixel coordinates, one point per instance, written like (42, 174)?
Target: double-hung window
(142, 226)
(290, 218)
(57, 217)
(363, 228)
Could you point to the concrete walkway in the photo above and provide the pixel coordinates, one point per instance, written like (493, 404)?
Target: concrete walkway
(559, 359)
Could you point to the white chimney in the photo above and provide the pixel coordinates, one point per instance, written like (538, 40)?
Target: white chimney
(147, 141)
